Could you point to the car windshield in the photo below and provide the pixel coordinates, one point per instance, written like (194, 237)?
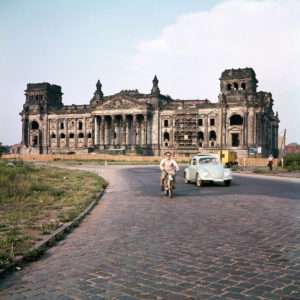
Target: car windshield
(208, 160)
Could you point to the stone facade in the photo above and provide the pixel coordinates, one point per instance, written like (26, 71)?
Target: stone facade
(242, 120)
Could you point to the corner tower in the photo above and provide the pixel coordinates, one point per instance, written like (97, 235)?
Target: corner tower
(40, 98)
(236, 83)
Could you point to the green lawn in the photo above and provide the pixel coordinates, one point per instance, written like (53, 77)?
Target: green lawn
(35, 201)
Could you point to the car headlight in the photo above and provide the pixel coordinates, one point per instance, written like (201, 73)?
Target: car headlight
(205, 173)
(227, 172)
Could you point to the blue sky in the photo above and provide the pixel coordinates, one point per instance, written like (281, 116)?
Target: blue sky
(73, 43)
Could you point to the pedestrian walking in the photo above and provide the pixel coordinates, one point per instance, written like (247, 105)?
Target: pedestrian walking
(270, 162)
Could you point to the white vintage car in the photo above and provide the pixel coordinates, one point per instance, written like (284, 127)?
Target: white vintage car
(206, 168)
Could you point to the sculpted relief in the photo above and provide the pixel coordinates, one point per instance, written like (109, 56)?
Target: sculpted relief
(121, 103)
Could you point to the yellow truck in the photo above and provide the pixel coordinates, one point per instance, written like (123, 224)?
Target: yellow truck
(228, 159)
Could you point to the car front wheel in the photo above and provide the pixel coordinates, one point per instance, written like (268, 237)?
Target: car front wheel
(199, 182)
(185, 178)
(227, 182)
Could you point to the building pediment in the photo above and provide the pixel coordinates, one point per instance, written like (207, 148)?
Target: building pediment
(121, 103)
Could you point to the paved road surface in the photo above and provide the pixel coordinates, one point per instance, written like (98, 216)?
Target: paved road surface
(238, 242)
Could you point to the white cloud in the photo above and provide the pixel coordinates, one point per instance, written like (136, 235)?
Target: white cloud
(189, 55)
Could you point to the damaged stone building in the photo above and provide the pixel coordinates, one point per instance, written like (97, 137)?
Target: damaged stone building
(241, 120)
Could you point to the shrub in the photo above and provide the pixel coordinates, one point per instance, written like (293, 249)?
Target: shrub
(292, 162)
(138, 150)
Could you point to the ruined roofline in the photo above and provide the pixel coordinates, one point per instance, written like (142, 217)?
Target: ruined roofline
(42, 85)
(240, 73)
(193, 101)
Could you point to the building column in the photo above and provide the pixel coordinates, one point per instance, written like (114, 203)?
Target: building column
(85, 134)
(145, 142)
(76, 133)
(246, 128)
(23, 131)
(128, 133)
(139, 131)
(96, 131)
(112, 130)
(67, 133)
(142, 131)
(206, 137)
(57, 134)
(133, 132)
(123, 135)
(251, 128)
(101, 132)
(106, 131)
(119, 130)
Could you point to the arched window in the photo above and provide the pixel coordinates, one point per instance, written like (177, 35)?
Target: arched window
(81, 135)
(243, 85)
(80, 125)
(200, 136)
(53, 136)
(89, 135)
(62, 136)
(166, 136)
(212, 135)
(236, 120)
(228, 87)
(71, 135)
(35, 141)
(235, 86)
(34, 125)
(166, 139)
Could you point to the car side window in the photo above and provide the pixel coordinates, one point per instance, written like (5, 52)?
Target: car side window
(194, 162)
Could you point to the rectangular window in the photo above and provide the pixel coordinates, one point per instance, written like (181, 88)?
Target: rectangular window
(212, 122)
(200, 122)
(62, 125)
(166, 123)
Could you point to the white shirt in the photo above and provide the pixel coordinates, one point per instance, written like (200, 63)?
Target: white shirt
(169, 165)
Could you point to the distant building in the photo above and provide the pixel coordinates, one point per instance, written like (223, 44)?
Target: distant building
(292, 148)
(15, 149)
(242, 120)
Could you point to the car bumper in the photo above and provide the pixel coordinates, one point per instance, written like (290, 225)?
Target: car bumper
(216, 179)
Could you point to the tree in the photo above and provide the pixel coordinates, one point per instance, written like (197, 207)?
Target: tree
(2, 149)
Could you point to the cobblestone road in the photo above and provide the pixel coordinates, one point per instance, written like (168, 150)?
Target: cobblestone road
(238, 242)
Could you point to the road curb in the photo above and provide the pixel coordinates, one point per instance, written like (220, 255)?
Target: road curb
(40, 248)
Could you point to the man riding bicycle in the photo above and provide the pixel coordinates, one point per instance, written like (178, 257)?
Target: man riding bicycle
(167, 166)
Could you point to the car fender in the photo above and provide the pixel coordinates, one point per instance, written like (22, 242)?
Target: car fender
(186, 171)
(201, 171)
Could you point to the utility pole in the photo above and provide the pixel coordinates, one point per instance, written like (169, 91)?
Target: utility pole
(282, 148)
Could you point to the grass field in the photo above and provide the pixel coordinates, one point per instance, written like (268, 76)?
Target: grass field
(35, 201)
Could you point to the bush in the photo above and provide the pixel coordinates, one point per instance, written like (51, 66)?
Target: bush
(292, 162)
(138, 150)
(2, 149)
